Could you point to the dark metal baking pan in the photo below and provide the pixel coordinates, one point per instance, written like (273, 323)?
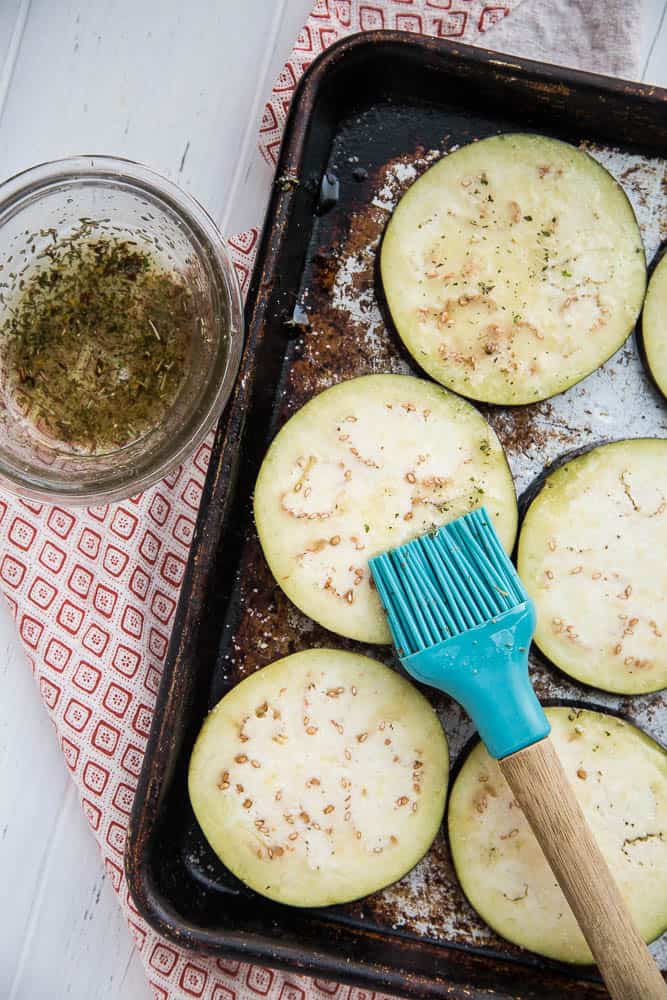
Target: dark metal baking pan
(369, 114)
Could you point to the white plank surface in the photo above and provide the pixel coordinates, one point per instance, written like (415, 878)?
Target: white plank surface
(63, 934)
(654, 42)
(179, 86)
(201, 81)
(13, 16)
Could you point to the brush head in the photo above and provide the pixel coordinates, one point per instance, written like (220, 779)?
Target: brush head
(462, 622)
(441, 585)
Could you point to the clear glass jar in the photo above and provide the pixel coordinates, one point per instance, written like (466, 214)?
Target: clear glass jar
(128, 201)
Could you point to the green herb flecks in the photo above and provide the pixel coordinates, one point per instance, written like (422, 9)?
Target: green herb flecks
(96, 341)
(287, 182)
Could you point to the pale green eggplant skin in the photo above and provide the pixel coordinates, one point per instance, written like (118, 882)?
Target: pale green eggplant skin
(652, 332)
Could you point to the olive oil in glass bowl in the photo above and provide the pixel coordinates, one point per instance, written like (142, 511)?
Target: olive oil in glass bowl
(120, 329)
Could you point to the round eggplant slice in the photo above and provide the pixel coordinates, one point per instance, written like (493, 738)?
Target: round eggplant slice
(619, 776)
(320, 778)
(654, 325)
(592, 556)
(513, 268)
(361, 468)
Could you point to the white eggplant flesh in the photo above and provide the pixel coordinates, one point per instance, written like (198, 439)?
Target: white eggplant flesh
(321, 778)
(619, 776)
(362, 468)
(513, 268)
(592, 556)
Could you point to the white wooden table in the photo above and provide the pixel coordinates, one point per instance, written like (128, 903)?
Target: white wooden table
(180, 87)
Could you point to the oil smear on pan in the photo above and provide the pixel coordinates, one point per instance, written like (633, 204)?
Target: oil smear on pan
(353, 292)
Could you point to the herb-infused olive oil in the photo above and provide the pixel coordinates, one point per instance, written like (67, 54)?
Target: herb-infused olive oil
(96, 341)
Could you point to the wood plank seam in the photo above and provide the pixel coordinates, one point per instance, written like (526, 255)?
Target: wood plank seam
(12, 53)
(250, 133)
(47, 860)
(654, 41)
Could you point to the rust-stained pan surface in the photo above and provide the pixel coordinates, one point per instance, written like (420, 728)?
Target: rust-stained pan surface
(371, 113)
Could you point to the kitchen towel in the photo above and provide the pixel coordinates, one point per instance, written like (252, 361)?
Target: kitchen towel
(94, 591)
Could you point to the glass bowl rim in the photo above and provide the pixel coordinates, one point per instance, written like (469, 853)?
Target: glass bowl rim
(89, 167)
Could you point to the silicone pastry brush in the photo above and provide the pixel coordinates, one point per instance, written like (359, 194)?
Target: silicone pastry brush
(462, 622)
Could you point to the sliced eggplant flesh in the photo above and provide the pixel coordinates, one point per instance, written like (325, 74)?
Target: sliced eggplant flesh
(321, 778)
(513, 268)
(361, 468)
(654, 325)
(592, 556)
(619, 776)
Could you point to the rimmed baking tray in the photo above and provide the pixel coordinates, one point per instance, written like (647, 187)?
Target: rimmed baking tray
(369, 115)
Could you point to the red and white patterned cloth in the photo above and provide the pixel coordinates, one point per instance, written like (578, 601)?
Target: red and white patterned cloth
(94, 591)
(463, 20)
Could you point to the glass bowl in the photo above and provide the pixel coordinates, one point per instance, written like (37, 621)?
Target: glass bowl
(122, 199)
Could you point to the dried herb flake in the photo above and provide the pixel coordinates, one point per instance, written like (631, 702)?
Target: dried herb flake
(96, 343)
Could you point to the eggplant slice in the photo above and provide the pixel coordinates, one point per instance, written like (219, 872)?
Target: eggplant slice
(619, 776)
(320, 778)
(592, 556)
(513, 268)
(361, 468)
(654, 325)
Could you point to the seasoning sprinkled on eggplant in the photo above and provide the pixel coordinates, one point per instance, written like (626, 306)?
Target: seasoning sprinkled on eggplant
(513, 268)
(321, 806)
(363, 467)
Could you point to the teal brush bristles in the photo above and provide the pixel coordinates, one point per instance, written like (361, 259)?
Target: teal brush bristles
(462, 621)
(440, 585)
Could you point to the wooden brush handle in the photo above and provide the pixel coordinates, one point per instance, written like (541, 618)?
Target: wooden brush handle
(541, 787)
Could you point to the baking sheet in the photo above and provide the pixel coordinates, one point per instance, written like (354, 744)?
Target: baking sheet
(373, 111)
(338, 305)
